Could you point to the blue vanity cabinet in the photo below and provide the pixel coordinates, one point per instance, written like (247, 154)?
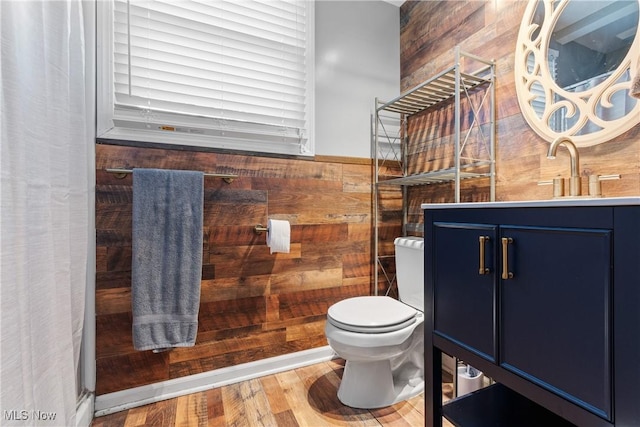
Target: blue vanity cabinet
(544, 300)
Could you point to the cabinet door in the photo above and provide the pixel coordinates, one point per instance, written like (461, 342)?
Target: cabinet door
(555, 312)
(464, 296)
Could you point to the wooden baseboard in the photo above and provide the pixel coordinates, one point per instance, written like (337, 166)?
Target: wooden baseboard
(143, 395)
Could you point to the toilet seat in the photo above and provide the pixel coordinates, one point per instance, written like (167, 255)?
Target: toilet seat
(371, 314)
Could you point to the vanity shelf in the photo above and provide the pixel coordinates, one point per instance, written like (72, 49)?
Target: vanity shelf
(478, 409)
(467, 147)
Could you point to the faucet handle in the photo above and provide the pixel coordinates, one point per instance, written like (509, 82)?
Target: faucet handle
(595, 186)
(558, 187)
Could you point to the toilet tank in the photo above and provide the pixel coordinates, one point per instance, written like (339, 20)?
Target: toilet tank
(410, 270)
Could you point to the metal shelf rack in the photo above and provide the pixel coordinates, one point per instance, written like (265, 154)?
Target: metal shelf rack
(390, 136)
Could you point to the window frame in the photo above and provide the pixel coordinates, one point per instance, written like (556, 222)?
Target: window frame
(190, 130)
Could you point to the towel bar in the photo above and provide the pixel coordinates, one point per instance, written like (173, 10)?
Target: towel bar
(121, 173)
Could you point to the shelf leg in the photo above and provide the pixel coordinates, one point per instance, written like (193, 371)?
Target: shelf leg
(433, 386)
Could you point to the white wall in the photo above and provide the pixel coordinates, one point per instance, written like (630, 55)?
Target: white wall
(357, 54)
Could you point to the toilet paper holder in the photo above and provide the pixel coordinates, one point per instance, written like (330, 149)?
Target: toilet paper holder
(259, 229)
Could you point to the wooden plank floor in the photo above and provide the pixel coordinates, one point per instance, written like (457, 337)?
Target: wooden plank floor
(304, 397)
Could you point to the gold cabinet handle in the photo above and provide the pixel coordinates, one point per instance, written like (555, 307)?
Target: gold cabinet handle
(482, 269)
(506, 274)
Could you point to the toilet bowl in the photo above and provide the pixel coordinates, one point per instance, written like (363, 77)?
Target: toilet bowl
(381, 338)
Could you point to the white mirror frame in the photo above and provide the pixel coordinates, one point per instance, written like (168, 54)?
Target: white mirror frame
(582, 103)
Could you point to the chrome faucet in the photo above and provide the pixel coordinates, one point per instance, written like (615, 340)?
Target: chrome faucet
(574, 181)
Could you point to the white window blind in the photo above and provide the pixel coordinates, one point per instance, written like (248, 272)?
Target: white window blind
(230, 74)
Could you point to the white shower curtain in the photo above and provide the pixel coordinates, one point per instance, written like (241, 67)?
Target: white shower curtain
(44, 210)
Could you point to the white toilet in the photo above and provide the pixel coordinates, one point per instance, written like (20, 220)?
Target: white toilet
(381, 338)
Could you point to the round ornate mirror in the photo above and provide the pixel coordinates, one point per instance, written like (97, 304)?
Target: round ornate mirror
(573, 71)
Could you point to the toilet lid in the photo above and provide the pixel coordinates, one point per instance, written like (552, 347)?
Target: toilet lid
(371, 314)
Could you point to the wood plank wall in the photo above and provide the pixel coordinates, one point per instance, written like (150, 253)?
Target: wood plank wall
(253, 305)
(430, 30)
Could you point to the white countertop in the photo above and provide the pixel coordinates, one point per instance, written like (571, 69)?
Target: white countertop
(560, 202)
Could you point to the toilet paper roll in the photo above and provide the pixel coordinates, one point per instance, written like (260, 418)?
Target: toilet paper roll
(278, 236)
(467, 383)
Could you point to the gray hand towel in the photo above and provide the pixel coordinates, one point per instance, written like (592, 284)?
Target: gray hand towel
(167, 257)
